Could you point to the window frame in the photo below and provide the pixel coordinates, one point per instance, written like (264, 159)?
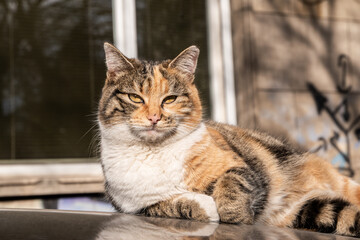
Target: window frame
(221, 65)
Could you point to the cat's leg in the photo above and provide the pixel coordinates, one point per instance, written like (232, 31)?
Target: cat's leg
(240, 195)
(189, 205)
(329, 214)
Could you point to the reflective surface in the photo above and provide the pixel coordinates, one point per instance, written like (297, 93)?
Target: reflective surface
(23, 224)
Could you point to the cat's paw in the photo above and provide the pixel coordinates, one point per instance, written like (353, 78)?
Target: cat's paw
(205, 203)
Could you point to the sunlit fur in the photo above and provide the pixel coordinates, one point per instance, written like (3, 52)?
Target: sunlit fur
(163, 160)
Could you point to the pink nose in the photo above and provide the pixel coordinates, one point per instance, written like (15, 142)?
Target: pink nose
(154, 118)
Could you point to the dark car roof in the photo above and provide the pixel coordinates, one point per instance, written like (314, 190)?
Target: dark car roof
(54, 224)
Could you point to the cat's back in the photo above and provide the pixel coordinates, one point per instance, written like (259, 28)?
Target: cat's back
(254, 144)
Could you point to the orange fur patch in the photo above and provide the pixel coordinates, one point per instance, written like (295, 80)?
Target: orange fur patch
(207, 161)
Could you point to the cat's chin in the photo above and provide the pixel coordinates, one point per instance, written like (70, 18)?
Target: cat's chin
(153, 136)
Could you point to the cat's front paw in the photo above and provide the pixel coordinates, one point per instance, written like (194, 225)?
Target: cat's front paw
(205, 203)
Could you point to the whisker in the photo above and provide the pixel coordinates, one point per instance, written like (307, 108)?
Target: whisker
(82, 137)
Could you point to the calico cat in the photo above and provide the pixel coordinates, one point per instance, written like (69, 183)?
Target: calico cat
(160, 158)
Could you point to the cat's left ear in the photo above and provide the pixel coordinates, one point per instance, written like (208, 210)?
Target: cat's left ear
(115, 60)
(186, 61)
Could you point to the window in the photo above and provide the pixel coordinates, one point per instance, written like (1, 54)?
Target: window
(51, 74)
(52, 70)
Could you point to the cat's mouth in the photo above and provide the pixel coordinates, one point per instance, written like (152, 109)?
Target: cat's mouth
(152, 133)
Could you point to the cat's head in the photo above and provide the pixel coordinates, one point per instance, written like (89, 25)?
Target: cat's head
(149, 102)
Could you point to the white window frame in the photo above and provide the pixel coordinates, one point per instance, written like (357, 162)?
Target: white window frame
(124, 27)
(18, 179)
(221, 66)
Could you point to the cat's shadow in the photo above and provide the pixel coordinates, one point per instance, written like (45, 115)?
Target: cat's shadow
(131, 227)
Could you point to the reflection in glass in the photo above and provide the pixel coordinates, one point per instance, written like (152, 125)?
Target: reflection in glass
(51, 74)
(131, 227)
(5, 111)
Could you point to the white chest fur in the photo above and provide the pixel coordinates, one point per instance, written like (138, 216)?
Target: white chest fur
(140, 176)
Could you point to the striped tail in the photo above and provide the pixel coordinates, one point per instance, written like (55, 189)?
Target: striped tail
(329, 215)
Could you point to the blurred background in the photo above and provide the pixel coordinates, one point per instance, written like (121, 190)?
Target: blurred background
(288, 67)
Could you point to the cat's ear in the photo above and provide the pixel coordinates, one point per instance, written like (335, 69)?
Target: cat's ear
(186, 61)
(115, 60)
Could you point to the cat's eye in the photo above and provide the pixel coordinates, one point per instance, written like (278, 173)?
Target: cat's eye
(169, 99)
(135, 98)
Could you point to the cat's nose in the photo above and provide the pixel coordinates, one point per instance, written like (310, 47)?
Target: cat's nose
(154, 118)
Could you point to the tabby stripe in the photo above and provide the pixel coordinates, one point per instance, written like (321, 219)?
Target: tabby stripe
(112, 95)
(355, 228)
(141, 86)
(246, 173)
(309, 212)
(152, 68)
(121, 103)
(307, 216)
(282, 153)
(210, 188)
(339, 205)
(150, 82)
(240, 173)
(183, 210)
(107, 102)
(261, 179)
(242, 188)
(126, 107)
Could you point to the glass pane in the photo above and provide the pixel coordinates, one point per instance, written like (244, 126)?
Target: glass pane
(165, 28)
(58, 73)
(5, 105)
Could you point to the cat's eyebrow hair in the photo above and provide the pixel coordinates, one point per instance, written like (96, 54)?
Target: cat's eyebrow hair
(178, 93)
(117, 91)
